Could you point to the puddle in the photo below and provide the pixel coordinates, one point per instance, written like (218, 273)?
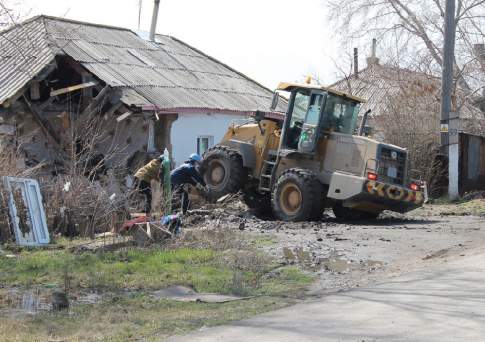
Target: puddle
(32, 301)
(25, 301)
(37, 300)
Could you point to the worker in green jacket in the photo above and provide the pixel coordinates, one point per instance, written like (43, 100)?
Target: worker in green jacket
(144, 177)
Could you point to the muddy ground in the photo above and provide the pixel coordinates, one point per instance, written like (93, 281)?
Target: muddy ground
(348, 254)
(128, 294)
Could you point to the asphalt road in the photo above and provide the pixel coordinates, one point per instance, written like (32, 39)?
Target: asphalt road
(443, 302)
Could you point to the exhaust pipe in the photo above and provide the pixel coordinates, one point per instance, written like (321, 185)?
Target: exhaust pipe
(153, 27)
(364, 121)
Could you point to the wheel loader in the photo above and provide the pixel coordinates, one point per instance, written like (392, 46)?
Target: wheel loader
(298, 164)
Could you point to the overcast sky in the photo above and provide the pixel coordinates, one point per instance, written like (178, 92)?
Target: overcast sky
(269, 40)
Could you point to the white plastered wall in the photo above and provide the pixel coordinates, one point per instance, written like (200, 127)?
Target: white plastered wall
(188, 127)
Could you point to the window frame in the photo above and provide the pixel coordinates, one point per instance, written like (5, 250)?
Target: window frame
(210, 143)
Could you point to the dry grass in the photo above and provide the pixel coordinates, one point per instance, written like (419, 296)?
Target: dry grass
(138, 317)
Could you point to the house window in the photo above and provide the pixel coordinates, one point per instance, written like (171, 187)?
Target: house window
(204, 143)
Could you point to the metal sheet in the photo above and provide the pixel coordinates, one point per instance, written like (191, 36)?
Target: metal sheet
(474, 157)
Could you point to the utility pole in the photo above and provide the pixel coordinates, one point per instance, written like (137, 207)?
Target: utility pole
(449, 117)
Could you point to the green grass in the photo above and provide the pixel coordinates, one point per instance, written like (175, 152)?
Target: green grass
(203, 269)
(126, 315)
(263, 241)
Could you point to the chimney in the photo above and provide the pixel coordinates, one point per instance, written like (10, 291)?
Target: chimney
(356, 62)
(153, 27)
(373, 60)
(479, 51)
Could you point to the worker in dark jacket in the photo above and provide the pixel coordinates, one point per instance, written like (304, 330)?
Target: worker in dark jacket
(144, 177)
(184, 175)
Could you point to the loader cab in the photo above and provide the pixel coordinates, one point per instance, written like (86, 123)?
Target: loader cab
(314, 112)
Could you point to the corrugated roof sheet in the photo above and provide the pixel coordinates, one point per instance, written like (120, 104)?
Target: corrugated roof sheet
(24, 52)
(168, 74)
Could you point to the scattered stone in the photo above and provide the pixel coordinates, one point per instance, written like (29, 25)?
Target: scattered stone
(340, 239)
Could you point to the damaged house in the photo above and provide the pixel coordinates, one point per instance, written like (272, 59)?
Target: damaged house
(104, 94)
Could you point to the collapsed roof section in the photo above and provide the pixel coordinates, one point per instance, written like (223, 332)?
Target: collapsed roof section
(167, 76)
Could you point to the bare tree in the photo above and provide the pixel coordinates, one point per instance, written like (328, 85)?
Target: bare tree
(8, 15)
(414, 28)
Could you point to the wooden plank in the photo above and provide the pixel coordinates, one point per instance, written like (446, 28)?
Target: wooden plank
(72, 88)
(123, 116)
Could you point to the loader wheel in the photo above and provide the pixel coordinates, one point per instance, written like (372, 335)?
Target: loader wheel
(349, 214)
(258, 204)
(298, 196)
(222, 169)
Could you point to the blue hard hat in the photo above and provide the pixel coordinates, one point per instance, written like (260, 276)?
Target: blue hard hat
(195, 157)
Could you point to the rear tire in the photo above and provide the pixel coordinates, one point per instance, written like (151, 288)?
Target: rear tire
(349, 214)
(223, 172)
(298, 196)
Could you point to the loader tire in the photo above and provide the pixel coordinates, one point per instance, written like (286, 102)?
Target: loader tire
(349, 214)
(298, 196)
(258, 204)
(223, 172)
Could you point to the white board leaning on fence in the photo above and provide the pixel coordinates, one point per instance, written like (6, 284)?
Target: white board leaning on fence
(26, 211)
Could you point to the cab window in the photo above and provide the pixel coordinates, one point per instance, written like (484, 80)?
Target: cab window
(340, 114)
(312, 118)
(298, 114)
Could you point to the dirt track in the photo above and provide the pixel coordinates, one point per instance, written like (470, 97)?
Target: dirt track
(348, 255)
(344, 255)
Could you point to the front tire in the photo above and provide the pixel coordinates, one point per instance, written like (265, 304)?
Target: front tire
(223, 172)
(298, 196)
